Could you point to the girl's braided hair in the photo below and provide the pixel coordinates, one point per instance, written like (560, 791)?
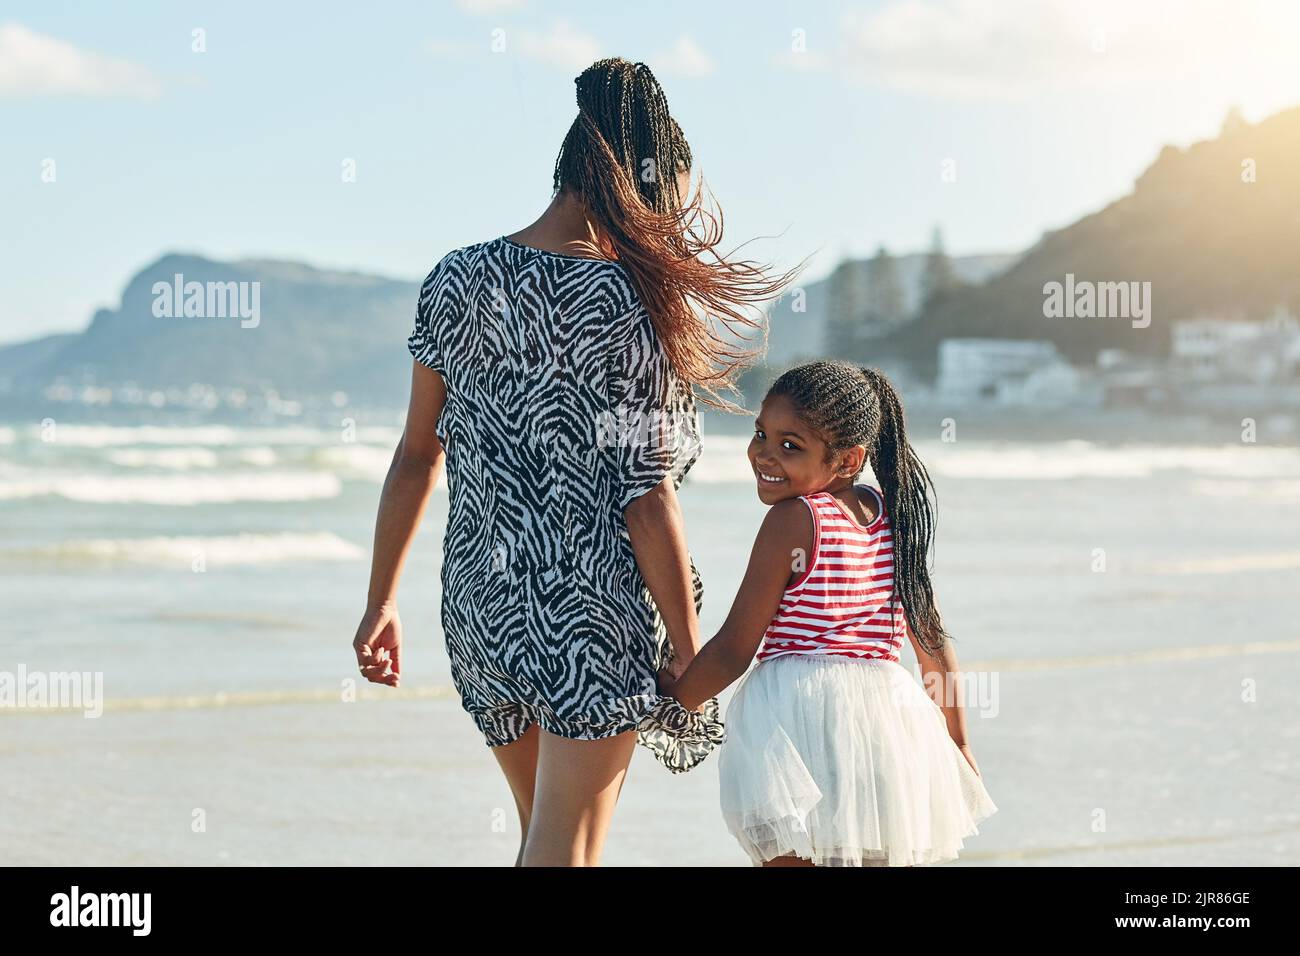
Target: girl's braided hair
(847, 405)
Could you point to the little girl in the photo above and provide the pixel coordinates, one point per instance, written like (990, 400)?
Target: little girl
(835, 755)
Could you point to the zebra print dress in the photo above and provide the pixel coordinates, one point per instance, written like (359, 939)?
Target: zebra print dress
(562, 408)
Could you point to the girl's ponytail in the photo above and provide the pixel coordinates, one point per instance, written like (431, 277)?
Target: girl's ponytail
(908, 491)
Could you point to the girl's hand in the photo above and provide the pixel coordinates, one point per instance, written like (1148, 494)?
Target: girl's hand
(378, 645)
(668, 687)
(667, 683)
(970, 757)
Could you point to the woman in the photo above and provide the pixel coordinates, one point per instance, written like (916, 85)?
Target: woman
(552, 375)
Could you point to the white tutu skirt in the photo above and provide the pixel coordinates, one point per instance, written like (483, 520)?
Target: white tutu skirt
(845, 762)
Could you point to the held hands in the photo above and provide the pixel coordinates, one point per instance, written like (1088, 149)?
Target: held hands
(668, 678)
(378, 645)
(675, 668)
(667, 683)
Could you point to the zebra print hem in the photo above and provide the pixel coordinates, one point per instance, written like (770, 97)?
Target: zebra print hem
(679, 738)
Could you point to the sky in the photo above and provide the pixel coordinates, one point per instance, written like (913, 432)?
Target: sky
(823, 130)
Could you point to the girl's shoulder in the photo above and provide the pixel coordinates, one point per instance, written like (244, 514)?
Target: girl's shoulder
(875, 502)
(817, 501)
(869, 500)
(788, 539)
(788, 524)
(815, 496)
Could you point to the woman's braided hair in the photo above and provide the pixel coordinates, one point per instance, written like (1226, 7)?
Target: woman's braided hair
(847, 405)
(621, 157)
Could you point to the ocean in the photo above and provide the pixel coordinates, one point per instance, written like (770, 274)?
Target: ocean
(1128, 612)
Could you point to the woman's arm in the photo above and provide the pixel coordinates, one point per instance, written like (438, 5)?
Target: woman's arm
(412, 476)
(785, 531)
(658, 536)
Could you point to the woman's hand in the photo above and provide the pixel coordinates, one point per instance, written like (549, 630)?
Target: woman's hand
(378, 645)
(970, 757)
(676, 668)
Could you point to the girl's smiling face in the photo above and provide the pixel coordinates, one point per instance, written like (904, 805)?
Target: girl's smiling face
(789, 460)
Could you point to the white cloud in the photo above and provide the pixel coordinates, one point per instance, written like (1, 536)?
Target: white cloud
(1016, 48)
(487, 7)
(965, 48)
(566, 47)
(563, 45)
(802, 60)
(32, 64)
(685, 58)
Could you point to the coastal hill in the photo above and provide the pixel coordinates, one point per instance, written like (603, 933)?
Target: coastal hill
(1215, 229)
(797, 336)
(317, 332)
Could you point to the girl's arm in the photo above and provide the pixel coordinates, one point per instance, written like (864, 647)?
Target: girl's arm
(941, 676)
(785, 531)
(412, 476)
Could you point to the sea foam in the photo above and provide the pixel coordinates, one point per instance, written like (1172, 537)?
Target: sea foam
(182, 551)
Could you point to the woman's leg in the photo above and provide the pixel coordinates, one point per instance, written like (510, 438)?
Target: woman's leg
(578, 784)
(518, 760)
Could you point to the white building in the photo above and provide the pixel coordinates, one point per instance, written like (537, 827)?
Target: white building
(973, 368)
(1052, 386)
(1209, 349)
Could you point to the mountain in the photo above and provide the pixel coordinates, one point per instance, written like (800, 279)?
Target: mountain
(1215, 229)
(796, 336)
(316, 332)
(15, 359)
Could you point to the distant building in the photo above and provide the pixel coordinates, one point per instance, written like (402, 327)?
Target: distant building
(1213, 349)
(976, 368)
(1113, 358)
(1051, 386)
(1129, 380)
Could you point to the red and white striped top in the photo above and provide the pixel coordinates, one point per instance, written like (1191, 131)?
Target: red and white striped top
(844, 602)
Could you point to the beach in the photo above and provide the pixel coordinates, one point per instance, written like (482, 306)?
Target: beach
(1125, 614)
